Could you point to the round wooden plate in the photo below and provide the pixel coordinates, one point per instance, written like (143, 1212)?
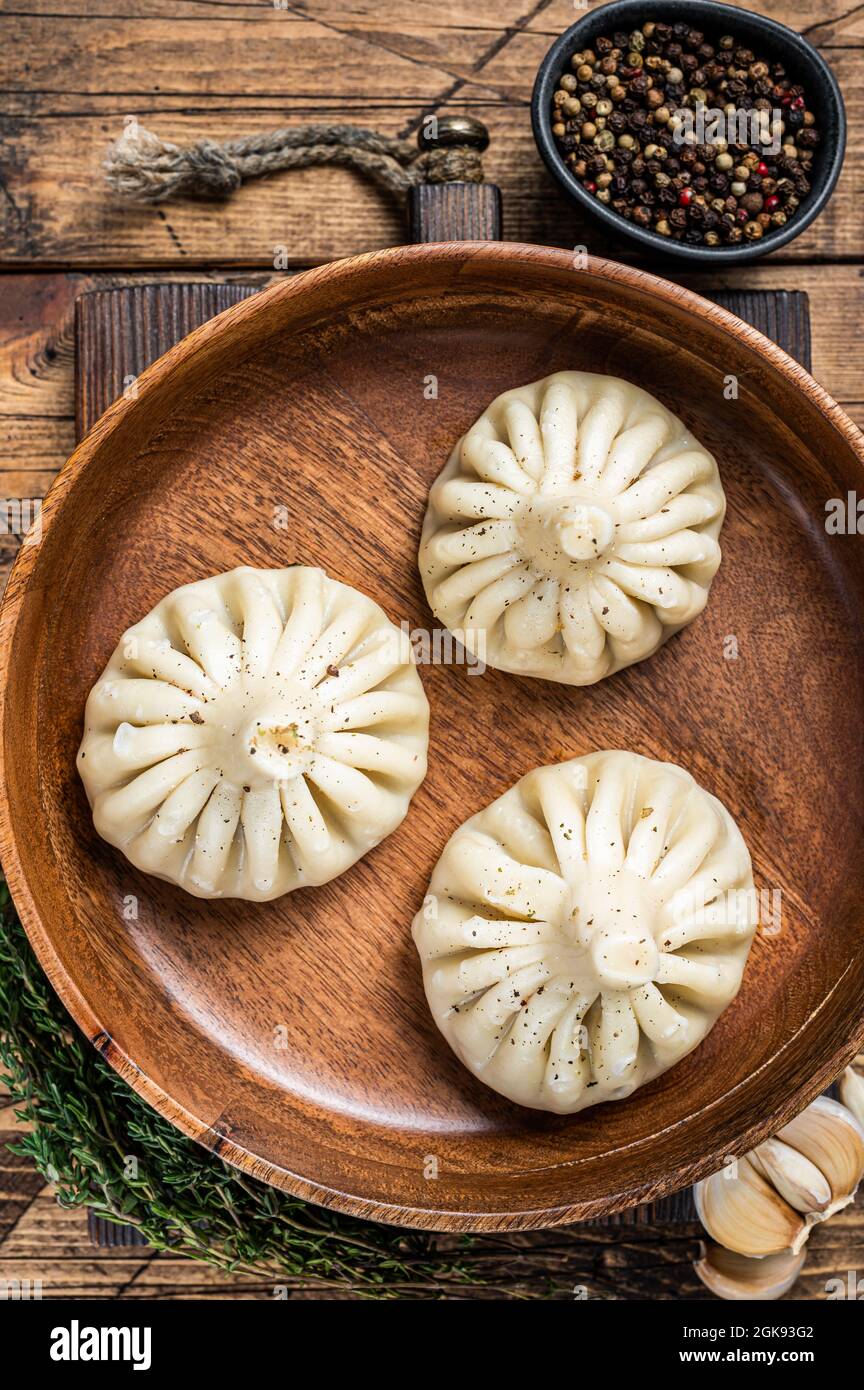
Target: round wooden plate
(293, 1037)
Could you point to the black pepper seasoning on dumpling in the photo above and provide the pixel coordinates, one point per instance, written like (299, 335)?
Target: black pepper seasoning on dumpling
(258, 731)
(585, 931)
(573, 530)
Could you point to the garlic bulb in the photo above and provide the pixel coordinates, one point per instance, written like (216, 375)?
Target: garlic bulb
(737, 1277)
(743, 1211)
(852, 1093)
(829, 1134)
(768, 1202)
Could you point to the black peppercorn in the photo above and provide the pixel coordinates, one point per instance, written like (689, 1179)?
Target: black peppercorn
(616, 118)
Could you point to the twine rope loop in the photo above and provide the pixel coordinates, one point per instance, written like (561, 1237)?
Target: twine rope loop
(140, 167)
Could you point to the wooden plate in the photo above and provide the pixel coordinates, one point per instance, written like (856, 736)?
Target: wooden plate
(293, 1037)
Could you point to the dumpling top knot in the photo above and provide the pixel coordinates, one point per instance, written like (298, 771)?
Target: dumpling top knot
(573, 530)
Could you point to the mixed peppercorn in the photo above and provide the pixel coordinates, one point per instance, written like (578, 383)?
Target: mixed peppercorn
(625, 115)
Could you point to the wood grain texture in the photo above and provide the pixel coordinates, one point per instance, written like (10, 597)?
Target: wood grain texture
(349, 344)
(382, 65)
(120, 332)
(317, 213)
(40, 1241)
(37, 342)
(454, 212)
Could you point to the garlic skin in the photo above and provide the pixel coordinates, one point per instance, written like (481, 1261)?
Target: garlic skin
(768, 1202)
(830, 1136)
(737, 1278)
(796, 1179)
(852, 1093)
(744, 1212)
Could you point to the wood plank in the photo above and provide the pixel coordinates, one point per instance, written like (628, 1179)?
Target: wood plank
(54, 211)
(358, 14)
(647, 1265)
(37, 354)
(384, 14)
(37, 379)
(62, 114)
(36, 326)
(820, 20)
(275, 52)
(50, 1243)
(31, 451)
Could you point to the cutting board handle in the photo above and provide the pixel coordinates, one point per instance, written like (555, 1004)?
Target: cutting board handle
(457, 210)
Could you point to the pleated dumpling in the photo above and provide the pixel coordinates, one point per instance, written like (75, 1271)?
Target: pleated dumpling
(585, 931)
(573, 530)
(257, 732)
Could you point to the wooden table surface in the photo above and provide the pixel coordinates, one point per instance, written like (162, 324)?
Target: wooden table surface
(71, 72)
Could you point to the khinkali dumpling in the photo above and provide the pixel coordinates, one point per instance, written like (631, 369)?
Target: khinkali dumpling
(257, 732)
(573, 530)
(584, 931)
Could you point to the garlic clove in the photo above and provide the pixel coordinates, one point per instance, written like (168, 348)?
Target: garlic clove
(852, 1093)
(738, 1277)
(744, 1212)
(830, 1137)
(797, 1180)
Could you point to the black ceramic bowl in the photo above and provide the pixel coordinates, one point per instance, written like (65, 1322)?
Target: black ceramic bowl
(768, 40)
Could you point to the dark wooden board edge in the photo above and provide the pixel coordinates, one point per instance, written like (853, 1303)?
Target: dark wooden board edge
(454, 212)
(119, 332)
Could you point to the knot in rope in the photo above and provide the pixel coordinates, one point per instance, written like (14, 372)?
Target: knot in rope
(143, 168)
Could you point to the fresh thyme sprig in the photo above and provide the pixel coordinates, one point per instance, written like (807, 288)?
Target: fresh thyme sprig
(105, 1148)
